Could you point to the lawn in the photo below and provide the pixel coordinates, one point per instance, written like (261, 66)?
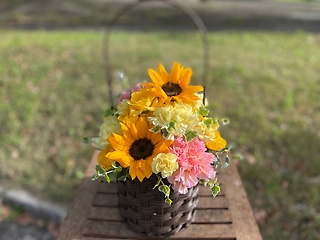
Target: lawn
(53, 93)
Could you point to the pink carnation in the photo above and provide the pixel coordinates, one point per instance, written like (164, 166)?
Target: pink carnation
(194, 164)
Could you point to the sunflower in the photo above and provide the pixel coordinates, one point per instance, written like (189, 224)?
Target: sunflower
(173, 86)
(136, 147)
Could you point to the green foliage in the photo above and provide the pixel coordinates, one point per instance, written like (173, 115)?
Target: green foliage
(165, 189)
(190, 135)
(53, 91)
(202, 111)
(113, 174)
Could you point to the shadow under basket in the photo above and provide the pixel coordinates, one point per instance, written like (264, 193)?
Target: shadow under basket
(145, 211)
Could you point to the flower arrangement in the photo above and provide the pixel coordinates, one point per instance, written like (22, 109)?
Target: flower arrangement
(162, 127)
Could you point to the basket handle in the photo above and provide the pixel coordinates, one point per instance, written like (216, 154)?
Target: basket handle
(190, 13)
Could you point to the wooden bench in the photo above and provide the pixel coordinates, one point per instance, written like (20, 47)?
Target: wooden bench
(94, 213)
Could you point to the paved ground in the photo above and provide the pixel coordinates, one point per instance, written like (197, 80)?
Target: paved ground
(14, 231)
(251, 15)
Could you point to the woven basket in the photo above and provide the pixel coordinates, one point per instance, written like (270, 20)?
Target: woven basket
(145, 210)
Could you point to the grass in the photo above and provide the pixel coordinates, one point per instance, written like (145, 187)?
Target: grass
(53, 93)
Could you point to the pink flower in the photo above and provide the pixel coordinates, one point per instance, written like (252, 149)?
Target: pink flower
(194, 164)
(127, 94)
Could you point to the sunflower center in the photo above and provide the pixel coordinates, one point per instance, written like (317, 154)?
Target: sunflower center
(141, 149)
(171, 89)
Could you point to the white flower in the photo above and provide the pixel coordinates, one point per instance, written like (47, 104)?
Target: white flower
(122, 107)
(174, 120)
(109, 126)
(206, 129)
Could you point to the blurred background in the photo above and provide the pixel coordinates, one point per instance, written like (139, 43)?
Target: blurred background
(263, 76)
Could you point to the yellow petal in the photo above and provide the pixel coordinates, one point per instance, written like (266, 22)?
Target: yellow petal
(218, 143)
(147, 170)
(155, 77)
(175, 73)
(161, 147)
(123, 159)
(155, 137)
(132, 170)
(132, 130)
(140, 174)
(163, 73)
(192, 89)
(185, 78)
(118, 142)
(126, 133)
(103, 160)
(142, 126)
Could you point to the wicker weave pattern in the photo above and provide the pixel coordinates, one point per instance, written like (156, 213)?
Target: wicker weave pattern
(146, 212)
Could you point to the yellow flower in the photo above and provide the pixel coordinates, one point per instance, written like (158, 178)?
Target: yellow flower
(218, 142)
(165, 163)
(173, 86)
(136, 147)
(141, 101)
(103, 161)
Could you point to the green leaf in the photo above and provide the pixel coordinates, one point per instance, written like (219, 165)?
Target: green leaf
(99, 169)
(217, 162)
(226, 164)
(118, 169)
(208, 122)
(203, 182)
(168, 200)
(216, 121)
(202, 111)
(86, 140)
(172, 125)
(157, 183)
(165, 133)
(108, 112)
(95, 177)
(156, 129)
(123, 177)
(107, 178)
(238, 156)
(190, 135)
(165, 189)
(215, 190)
(161, 188)
(113, 176)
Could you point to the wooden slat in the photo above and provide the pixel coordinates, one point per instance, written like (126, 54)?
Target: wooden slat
(105, 200)
(108, 187)
(211, 202)
(94, 214)
(194, 231)
(244, 222)
(77, 214)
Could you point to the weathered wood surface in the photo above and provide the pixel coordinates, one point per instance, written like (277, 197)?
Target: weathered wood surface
(94, 213)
